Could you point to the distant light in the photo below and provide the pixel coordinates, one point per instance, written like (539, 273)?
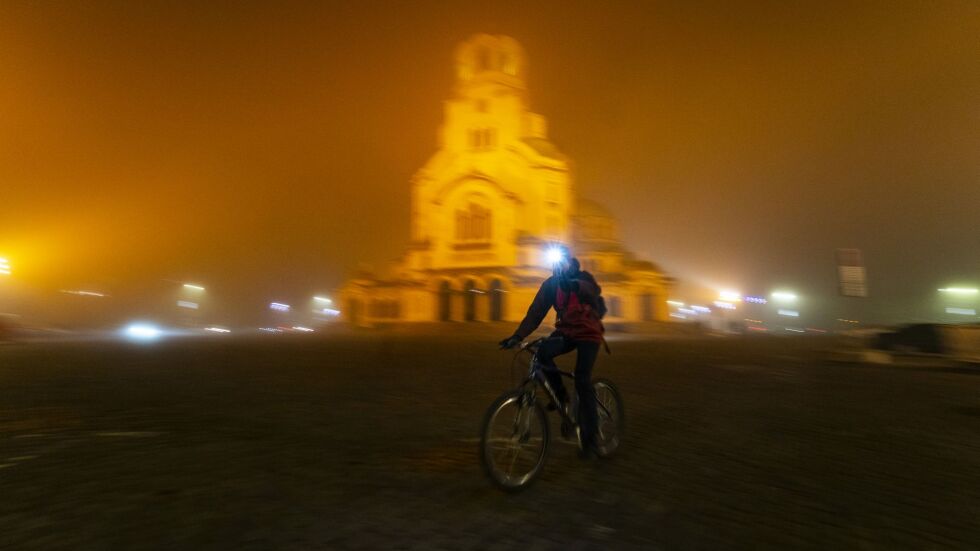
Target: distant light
(675, 303)
(701, 309)
(815, 330)
(678, 316)
(750, 320)
(4, 267)
(790, 313)
(959, 291)
(757, 328)
(331, 312)
(478, 291)
(962, 311)
(278, 306)
(217, 329)
(730, 296)
(193, 287)
(687, 311)
(847, 321)
(270, 329)
(793, 329)
(724, 305)
(784, 295)
(142, 332)
(323, 299)
(187, 304)
(84, 293)
(303, 329)
(755, 300)
(554, 255)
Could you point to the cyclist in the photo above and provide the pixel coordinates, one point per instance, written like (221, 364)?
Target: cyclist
(575, 296)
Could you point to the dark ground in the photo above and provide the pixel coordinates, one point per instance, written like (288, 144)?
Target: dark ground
(350, 442)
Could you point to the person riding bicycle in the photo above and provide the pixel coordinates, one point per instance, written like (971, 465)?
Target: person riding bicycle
(576, 297)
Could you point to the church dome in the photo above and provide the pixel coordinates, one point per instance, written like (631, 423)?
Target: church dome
(591, 222)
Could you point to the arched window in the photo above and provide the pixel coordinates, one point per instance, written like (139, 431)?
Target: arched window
(445, 298)
(473, 223)
(469, 300)
(496, 300)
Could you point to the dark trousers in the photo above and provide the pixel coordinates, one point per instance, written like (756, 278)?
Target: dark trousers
(556, 345)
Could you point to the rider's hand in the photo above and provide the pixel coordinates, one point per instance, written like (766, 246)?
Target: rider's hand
(510, 342)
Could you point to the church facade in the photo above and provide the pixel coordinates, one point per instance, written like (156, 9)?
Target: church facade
(486, 207)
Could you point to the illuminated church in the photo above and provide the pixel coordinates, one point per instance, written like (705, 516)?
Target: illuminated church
(486, 206)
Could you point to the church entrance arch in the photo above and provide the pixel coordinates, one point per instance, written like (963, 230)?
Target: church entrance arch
(469, 300)
(646, 304)
(445, 301)
(496, 300)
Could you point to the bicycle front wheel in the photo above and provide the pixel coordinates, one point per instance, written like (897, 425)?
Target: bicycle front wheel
(514, 441)
(612, 419)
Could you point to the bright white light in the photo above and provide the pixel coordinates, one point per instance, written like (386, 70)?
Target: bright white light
(278, 306)
(678, 316)
(303, 329)
(675, 303)
(270, 329)
(4, 267)
(962, 311)
(83, 293)
(323, 299)
(959, 291)
(701, 309)
(187, 304)
(724, 305)
(795, 330)
(554, 255)
(687, 311)
(217, 329)
(790, 313)
(784, 295)
(331, 312)
(142, 332)
(756, 300)
(730, 296)
(193, 287)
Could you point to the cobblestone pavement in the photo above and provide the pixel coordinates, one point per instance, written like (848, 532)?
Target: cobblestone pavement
(370, 443)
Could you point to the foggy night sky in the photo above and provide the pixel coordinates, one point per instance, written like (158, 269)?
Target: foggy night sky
(266, 148)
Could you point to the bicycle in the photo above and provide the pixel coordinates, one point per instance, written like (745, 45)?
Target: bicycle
(524, 425)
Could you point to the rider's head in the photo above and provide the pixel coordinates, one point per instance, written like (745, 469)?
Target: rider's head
(561, 260)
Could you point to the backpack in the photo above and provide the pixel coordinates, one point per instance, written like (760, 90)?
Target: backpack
(578, 320)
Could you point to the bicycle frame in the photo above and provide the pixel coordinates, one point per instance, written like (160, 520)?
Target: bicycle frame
(535, 377)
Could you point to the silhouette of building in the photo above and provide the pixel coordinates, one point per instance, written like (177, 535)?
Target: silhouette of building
(485, 208)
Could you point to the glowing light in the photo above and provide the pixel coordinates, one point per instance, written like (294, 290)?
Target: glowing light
(724, 305)
(795, 330)
(270, 329)
(331, 312)
(279, 307)
(678, 316)
(847, 321)
(687, 311)
(193, 287)
(757, 328)
(217, 329)
(323, 299)
(675, 303)
(784, 295)
(84, 293)
(554, 255)
(790, 313)
(755, 300)
(302, 329)
(750, 320)
(187, 304)
(701, 309)
(815, 330)
(730, 296)
(959, 291)
(4, 266)
(962, 311)
(142, 332)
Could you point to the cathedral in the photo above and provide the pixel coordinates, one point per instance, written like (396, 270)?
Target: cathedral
(486, 207)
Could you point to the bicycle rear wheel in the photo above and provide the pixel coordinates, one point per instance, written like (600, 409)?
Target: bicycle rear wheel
(513, 441)
(612, 419)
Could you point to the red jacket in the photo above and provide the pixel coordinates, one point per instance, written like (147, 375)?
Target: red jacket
(579, 325)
